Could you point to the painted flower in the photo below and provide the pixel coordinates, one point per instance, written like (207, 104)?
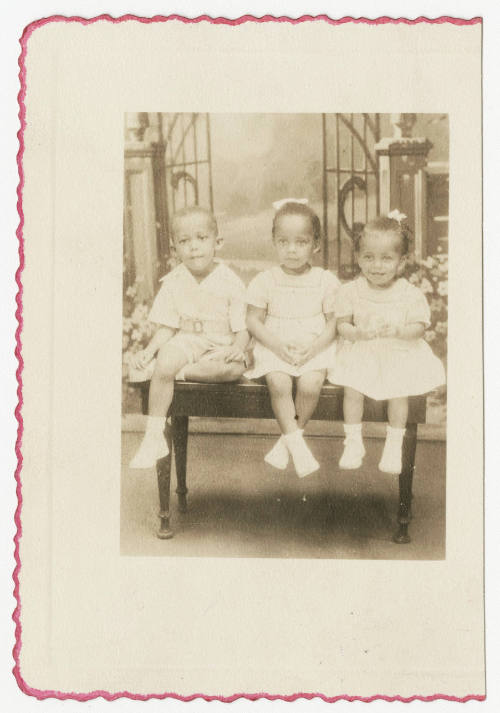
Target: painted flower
(443, 288)
(426, 286)
(436, 304)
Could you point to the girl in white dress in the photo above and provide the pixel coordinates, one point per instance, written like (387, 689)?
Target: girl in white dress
(381, 318)
(290, 314)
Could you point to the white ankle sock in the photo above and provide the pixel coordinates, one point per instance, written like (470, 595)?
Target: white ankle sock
(303, 460)
(153, 445)
(278, 456)
(354, 450)
(180, 376)
(391, 461)
(353, 430)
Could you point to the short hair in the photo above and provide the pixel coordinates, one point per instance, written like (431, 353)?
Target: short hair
(293, 208)
(384, 224)
(193, 210)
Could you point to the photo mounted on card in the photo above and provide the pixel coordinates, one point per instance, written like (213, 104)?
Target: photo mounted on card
(252, 359)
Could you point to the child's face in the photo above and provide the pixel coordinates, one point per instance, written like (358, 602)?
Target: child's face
(380, 258)
(294, 241)
(195, 242)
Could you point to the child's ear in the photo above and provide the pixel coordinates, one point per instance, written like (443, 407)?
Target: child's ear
(316, 246)
(219, 242)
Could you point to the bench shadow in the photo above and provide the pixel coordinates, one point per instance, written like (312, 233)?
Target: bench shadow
(292, 519)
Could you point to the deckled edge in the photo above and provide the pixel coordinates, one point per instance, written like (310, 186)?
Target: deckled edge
(28, 31)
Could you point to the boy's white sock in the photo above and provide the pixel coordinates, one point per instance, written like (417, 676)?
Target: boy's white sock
(153, 445)
(180, 376)
(279, 455)
(354, 450)
(304, 461)
(391, 461)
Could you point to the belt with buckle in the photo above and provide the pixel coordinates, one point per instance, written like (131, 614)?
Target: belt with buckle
(203, 326)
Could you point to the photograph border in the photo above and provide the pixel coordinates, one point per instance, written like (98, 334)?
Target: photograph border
(44, 694)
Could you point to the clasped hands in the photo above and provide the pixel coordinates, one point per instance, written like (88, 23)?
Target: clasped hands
(380, 330)
(295, 354)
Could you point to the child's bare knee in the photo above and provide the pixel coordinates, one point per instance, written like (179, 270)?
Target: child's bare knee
(165, 368)
(352, 395)
(311, 390)
(279, 388)
(231, 371)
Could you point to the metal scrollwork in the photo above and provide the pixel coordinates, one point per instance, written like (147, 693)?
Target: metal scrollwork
(348, 187)
(179, 176)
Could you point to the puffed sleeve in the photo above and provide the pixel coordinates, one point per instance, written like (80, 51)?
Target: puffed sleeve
(418, 309)
(164, 310)
(237, 305)
(258, 291)
(344, 306)
(330, 288)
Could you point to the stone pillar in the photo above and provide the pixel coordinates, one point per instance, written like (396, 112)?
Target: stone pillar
(140, 244)
(402, 182)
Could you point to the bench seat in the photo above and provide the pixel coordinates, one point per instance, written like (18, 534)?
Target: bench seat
(250, 399)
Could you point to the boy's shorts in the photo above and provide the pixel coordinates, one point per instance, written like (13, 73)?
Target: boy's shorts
(193, 346)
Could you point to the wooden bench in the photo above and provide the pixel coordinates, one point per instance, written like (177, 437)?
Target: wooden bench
(248, 399)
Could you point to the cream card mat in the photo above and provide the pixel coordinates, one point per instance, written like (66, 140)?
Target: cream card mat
(182, 182)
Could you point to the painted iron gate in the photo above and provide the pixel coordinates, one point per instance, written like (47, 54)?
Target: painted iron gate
(350, 184)
(183, 170)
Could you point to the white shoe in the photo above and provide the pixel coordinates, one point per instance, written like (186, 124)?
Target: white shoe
(391, 461)
(304, 461)
(153, 447)
(278, 456)
(353, 454)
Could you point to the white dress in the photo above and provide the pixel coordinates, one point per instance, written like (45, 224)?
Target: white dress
(385, 368)
(295, 311)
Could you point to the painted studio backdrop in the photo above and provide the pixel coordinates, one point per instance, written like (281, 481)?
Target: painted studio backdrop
(349, 166)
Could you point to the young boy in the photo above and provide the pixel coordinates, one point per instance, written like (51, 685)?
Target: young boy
(200, 310)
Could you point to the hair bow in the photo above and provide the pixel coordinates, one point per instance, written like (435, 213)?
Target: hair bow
(279, 204)
(397, 216)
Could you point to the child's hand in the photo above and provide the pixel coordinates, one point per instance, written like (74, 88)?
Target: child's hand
(141, 359)
(288, 352)
(362, 335)
(388, 331)
(304, 355)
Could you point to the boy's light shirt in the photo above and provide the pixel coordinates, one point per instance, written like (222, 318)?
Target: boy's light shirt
(219, 297)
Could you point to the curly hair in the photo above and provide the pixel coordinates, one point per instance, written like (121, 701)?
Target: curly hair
(384, 224)
(293, 208)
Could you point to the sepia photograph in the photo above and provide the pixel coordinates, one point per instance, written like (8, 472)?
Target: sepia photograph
(284, 338)
(251, 461)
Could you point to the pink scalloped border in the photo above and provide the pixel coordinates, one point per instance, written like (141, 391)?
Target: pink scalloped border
(41, 695)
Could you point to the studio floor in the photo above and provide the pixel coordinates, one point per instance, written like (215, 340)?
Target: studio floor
(240, 507)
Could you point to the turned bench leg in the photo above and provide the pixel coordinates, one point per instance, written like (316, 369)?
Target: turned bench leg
(405, 484)
(163, 469)
(180, 426)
